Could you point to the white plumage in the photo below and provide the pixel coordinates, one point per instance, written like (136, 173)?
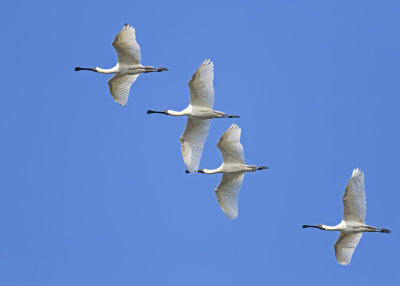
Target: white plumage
(352, 226)
(199, 111)
(127, 48)
(192, 142)
(233, 169)
(227, 193)
(128, 67)
(201, 86)
(354, 201)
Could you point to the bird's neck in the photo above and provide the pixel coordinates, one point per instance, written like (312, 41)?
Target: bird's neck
(175, 113)
(112, 70)
(332, 228)
(213, 171)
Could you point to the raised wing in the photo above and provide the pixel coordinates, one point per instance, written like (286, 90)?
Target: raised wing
(230, 146)
(192, 142)
(120, 86)
(227, 193)
(354, 201)
(345, 246)
(201, 85)
(127, 48)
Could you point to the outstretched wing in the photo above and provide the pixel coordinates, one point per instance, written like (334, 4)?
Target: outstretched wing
(230, 146)
(120, 86)
(201, 85)
(192, 142)
(227, 193)
(345, 246)
(127, 48)
(354, 201)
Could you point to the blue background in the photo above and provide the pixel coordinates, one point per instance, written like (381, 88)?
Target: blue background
(93, 193)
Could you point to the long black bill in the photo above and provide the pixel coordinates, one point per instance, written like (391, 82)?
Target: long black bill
(152, 111)
(315, 226)
(85, 69)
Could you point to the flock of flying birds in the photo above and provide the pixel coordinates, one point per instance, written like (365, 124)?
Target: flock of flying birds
(199, 112)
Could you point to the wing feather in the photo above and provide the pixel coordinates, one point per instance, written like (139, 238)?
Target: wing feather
(201, 86)
(120, 86)
(230, 146)
(345, 246)
(227, 193)
(192, 142)
(354, 200)
(127, 48)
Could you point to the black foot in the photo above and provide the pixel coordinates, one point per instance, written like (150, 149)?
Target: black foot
(187, 171)
(162, 69)
(233, 116)
(262, 168)
(385, 230)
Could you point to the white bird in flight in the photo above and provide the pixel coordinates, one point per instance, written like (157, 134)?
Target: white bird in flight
(353, 225)
(199, 111)
(233, 169)
(128, 67)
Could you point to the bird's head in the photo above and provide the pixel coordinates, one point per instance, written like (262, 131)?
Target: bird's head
(160, 112)
(320, 226)
(86, 69)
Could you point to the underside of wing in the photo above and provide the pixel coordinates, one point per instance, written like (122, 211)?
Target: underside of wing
(192, 142)
(230, 146)
(127, 48)
(201, 85)
(354, 200)
(227, 193)
(345, 246)
(120, 86)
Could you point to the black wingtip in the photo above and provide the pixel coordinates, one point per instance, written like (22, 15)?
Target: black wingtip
(187, 171)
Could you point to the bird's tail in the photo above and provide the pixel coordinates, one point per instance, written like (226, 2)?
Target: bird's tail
(253, 168)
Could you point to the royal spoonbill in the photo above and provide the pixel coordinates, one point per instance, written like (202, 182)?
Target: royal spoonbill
(199, 111)
(128, 66)
(233, 169)
(352, 225)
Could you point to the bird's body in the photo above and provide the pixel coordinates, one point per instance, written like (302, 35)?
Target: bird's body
(352, 225)
(199, 111)
(233, 169)
(195, 112)
(128, 67)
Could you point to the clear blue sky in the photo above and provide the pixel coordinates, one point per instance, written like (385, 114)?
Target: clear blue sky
(96, 194)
